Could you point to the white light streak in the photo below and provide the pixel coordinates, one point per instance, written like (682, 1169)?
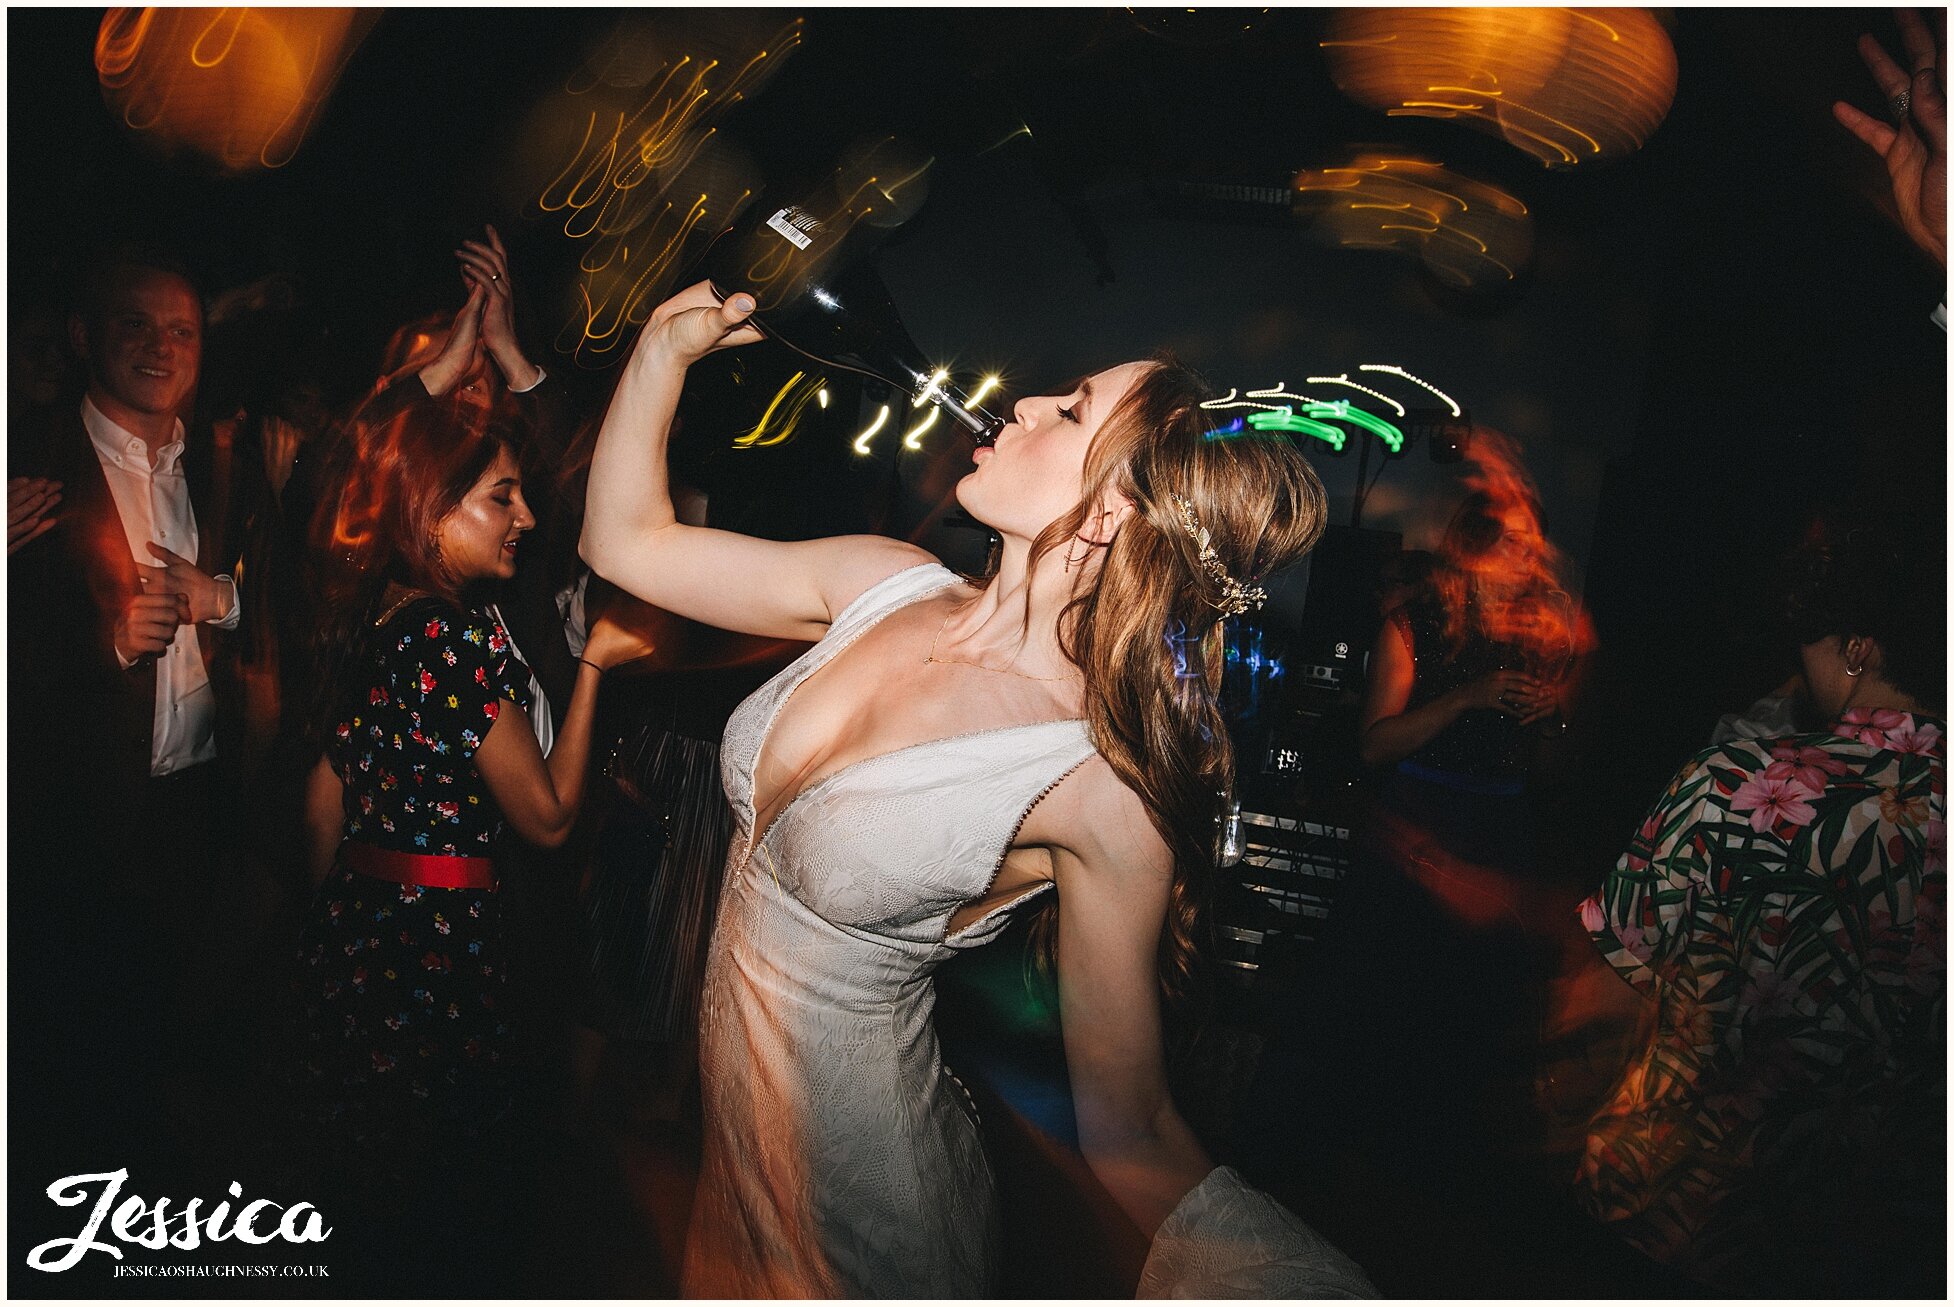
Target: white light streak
(930, 391)
(1346, 381)
(881, 419)
(912, 438)
(1397, 371)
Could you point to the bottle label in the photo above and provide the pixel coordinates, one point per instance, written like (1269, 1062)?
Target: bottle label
(796, 224)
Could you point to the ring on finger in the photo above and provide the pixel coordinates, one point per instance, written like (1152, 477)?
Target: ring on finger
(1898, 105)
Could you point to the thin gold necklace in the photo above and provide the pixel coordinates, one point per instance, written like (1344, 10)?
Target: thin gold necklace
(965, 662)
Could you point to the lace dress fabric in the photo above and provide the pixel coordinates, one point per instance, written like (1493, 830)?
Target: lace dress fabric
(840, 1158)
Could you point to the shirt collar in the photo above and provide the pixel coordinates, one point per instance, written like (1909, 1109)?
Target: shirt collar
(124, 447)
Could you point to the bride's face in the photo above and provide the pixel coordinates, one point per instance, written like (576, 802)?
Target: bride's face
(1036, 470)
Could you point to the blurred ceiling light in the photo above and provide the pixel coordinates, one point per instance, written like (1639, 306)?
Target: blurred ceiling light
(1567, 86)
(1469, 234)
(236, 89)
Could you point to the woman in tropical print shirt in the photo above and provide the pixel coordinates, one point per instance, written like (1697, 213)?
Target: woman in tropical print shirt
(1782, 1130)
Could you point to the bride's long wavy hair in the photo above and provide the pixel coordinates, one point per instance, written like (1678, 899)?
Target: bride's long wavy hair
(1145, 627)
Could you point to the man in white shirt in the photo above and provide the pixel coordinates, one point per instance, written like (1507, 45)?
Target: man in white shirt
(116, 704)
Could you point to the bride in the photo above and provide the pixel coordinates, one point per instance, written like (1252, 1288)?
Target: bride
(948, 749)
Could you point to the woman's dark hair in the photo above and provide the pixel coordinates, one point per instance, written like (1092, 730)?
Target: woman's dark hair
(1873, 578)
(402, 474)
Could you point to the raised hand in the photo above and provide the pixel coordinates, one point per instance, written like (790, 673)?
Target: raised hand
(30, 509)
(1914, 149)
(486, 267)
(461, 357)
(693, 323)
(207, 598)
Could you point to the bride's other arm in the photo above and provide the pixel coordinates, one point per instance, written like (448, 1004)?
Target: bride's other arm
(1113, 879)
(787, 590)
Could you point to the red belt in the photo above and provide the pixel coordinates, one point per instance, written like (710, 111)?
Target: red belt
(435, 871)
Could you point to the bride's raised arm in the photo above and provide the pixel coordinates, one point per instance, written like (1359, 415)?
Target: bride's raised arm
(787, 590)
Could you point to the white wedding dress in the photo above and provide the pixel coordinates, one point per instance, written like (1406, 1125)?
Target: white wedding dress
(840, 1159)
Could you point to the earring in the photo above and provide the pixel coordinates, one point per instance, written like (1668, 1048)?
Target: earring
(1850, 670)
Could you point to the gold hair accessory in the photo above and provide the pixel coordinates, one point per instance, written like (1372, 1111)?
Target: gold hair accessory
(1236, 598)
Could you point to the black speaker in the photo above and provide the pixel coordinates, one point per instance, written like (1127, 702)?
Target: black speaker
(1340, 613)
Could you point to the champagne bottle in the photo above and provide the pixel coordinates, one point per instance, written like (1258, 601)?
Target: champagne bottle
(816, 291)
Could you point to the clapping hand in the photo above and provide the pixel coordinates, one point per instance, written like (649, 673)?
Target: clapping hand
(461, 357)
(1915, 147)
(30, 509)
(485, 267)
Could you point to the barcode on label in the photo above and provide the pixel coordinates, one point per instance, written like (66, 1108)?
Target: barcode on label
(779, 222)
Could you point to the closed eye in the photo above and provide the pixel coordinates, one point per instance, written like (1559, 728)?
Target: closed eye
(1069, 414)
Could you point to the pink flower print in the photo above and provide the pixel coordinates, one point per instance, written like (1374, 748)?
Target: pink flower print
(1594, 918)
(427, 681)
(434, 628)
(1870, 725)
(1772, 800)
(1916, 738)
(410, 893)
(481, 676)
(448, 657)
(343, 731)
(1808, 766)
(497, 641)
(441, 927)
(492, 709)
(383, 1062)
(448, 808)
(376, 695)
(1636, 941)
(366, 805)
(392, 1023)
(359, 977)
(454, 1011)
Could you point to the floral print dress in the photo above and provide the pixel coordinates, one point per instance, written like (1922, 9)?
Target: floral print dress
(405, 1042)
(1782, 1131)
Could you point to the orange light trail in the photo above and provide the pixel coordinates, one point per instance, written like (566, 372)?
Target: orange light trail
(236, 88)
(614, 190)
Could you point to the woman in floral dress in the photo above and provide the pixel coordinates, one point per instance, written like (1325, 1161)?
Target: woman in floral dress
(429, 761)
(1782, 911)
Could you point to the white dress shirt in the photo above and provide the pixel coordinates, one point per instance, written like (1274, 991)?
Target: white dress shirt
(154, 504)
(540, 718)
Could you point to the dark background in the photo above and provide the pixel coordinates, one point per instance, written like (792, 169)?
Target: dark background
(1715, 335)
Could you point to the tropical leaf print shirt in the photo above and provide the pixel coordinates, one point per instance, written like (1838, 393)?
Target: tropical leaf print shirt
(1783, 905)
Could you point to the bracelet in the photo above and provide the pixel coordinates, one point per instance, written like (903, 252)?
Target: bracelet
(593, 666)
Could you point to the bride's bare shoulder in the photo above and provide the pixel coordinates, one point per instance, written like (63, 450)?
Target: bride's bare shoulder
(1101, 822)
(855, 564)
